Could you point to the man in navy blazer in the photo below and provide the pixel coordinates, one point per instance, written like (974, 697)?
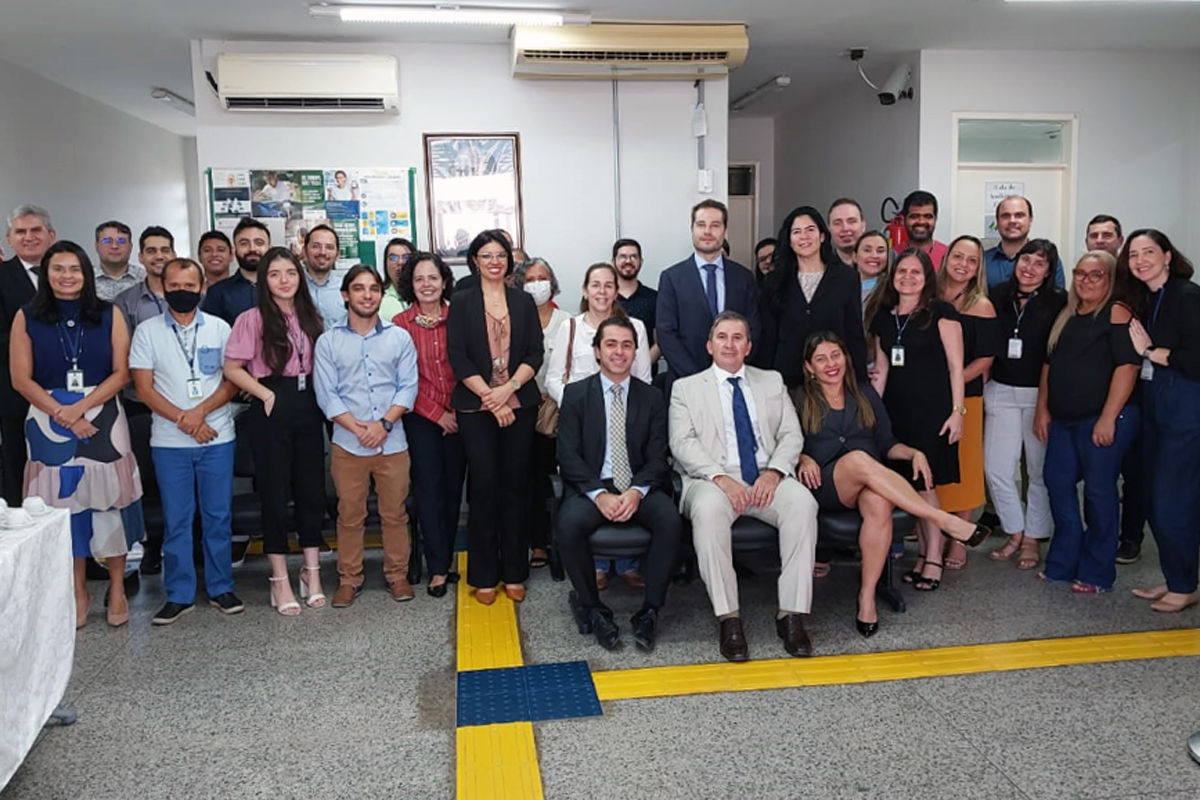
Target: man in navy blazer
(692, 293)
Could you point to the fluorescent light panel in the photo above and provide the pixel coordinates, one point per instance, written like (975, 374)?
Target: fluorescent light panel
(450, 15)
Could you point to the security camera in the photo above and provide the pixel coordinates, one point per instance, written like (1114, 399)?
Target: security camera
(896, 86)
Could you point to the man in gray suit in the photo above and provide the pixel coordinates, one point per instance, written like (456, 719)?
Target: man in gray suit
(736, 441)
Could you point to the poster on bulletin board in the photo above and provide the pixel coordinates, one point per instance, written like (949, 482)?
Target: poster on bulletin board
(366, 207)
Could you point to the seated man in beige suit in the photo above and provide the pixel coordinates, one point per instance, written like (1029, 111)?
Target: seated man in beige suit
(736, 441)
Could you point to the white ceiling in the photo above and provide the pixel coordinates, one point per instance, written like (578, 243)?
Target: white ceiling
(116, 50)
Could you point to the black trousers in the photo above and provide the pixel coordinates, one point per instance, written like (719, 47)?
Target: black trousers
(439, 465)
(545, 464)
(578, 519)
(12, 453)
(289, 458)
(498, 458)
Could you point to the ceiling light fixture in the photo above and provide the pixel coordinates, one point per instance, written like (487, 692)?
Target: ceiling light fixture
(776, 84)
(449, 15)
(173, 100)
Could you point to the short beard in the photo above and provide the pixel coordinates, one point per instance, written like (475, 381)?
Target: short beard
(248, 265)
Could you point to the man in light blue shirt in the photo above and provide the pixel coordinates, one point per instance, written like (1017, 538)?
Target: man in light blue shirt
(1014, 217)
(177, 359)
(365, 373)
(321, 248)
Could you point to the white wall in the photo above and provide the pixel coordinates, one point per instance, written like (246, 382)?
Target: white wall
(752, 139)
(86, 162)
(845, 144)
(1139, 127)
(567, 148)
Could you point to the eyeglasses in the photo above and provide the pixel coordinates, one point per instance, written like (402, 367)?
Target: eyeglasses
(122, 240)
(766, 259)
(1095, 276)
(493, 257)
(398, 258)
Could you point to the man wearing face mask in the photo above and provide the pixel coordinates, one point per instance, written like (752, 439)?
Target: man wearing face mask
(176, 359)
(239, 293)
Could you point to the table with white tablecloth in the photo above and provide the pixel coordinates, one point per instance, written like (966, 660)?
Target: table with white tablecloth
(37, 631)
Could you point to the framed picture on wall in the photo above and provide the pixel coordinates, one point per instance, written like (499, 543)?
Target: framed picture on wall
(472, 184)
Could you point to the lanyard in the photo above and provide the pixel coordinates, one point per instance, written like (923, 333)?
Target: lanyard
(189, 357)
(900, 328)
(298, 346)
(1157, 306)
(72, 346)
(1019, 311)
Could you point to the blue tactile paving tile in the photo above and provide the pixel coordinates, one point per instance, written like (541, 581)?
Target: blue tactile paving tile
(561, 691)
(519, 694)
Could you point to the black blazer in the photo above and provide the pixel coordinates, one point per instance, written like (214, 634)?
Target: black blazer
(682, 319)
(470, 354)
(833, 441)
(788, 320)
(15, 291)
(583, 435)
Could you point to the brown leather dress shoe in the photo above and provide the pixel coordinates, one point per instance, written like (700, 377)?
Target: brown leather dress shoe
(601, 580)
(401, 590)
(633, 579)
(733, 640)
(795, 639)
(345, 595)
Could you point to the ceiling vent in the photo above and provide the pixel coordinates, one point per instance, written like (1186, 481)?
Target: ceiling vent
(309, 83)
(629, 52)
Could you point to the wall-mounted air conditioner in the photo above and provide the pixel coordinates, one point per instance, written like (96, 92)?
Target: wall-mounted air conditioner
(629, 52)
(292, 82)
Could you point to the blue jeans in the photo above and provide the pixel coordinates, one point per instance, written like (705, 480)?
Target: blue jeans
(623, 564)
(183, 474)
(1171, 449)
(1088, 556)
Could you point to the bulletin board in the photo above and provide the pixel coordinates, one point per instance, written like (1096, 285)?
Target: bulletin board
(366, 207)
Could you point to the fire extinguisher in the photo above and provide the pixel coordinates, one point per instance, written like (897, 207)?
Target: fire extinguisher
(897, 236)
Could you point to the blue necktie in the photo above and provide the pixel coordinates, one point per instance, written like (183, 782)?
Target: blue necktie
(710, 288)
(745, 434)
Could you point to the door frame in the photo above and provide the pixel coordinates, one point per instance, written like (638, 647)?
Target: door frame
(1069, 168)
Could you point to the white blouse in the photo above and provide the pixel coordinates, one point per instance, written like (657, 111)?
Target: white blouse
(549, 333)
(583, 360)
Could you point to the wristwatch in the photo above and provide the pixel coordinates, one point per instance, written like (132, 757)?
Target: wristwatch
(387, 424)
(1146, 353)
(961, 410)
(515, 383)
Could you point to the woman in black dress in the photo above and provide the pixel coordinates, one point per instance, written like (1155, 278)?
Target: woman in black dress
(919, 374)
(847, 434)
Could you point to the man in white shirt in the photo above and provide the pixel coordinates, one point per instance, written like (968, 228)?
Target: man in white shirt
(321, 248)
(745, 465)
(114, 273)
(177, 359)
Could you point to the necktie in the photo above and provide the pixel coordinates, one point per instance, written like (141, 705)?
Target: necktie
(621, 474)
(745, 434)
(710, 288)
(36, 271)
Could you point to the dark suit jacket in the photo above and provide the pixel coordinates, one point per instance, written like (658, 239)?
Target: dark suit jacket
(15, 291)
(833, 441)
(470, 353)
(788, 320)
(683, 320)
(583, 435)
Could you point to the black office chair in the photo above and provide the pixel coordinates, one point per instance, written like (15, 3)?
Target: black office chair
(611, 541)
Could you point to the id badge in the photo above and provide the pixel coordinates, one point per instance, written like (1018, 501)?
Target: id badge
(302, 382)
(1147, 369)
(898, 356)
(74, 380)
(194, 390)
(1015, 347)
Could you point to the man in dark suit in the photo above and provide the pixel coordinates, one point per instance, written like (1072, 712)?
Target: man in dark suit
(692, 293)
(615, 470)
(30, 234)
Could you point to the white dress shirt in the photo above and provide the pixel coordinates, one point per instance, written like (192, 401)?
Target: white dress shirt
(733, 461)
(29, 271)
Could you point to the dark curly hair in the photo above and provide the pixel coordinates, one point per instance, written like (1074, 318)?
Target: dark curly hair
(404, 279)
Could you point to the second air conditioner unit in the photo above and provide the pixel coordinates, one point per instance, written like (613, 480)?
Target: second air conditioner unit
(628, 52)
(321, 83)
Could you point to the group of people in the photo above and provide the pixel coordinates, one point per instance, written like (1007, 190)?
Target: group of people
(787, 390)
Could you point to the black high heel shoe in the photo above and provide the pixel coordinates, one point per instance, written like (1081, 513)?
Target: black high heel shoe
(982, 532)
(867, 629)
(923, 584)
(914, 574)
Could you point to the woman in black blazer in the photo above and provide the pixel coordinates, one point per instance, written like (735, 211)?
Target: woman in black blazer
(494, 339)
(808, 290)
(847, 434)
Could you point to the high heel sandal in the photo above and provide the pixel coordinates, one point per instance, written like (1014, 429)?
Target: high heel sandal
(81, 611)
(311, 600)
(288, 609)
(1007, 550)
(923, 584)
(914, 574)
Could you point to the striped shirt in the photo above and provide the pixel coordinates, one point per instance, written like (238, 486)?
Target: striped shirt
(435, 377)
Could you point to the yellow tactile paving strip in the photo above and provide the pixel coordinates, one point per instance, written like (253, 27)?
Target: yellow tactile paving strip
(498, 761)
(892, 666)
(487, 635)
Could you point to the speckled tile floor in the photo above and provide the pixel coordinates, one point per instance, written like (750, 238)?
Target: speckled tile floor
(361, 702)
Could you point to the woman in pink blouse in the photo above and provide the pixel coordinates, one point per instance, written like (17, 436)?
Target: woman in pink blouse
(270, 356)
(439, 462)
